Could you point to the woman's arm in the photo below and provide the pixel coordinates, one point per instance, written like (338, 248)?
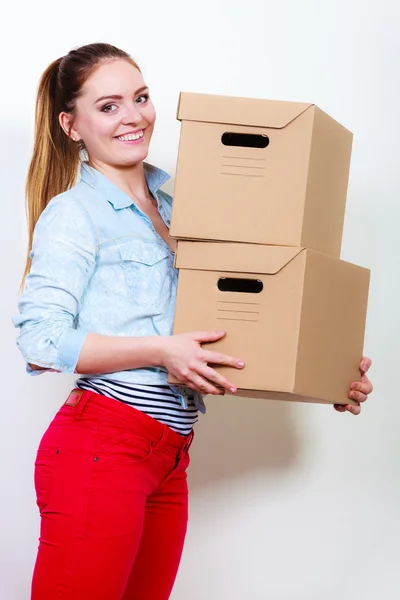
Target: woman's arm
(64, 256)
(64, 253)
(182, 355)
(106, 354)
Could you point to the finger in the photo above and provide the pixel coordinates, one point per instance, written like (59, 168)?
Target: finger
(368, 387)
(207, 336)
(339, 407)
(196, 389)
(365, 364)
(354, 410)
(219, 380)
(203, 386)
(216, 358)
(358, 396)
(364, 386)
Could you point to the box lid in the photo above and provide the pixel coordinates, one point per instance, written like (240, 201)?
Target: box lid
(233, 257)
(232, 110)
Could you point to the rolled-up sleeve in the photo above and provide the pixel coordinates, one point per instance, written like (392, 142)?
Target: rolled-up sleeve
(64, 253)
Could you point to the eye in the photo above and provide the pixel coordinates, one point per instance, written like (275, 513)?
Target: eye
(142, 99)
(109, 108)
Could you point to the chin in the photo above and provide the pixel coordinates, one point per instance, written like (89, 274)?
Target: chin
(132, 158)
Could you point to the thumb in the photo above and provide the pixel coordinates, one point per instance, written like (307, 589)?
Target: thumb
(208, 336)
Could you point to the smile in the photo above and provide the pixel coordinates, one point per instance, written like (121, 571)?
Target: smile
(131, 137)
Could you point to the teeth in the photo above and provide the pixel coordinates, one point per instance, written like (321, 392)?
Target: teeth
(131, 137)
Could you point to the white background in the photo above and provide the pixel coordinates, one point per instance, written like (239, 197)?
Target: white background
(287, 501)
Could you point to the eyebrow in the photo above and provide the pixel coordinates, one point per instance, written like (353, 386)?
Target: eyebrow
(118, 96)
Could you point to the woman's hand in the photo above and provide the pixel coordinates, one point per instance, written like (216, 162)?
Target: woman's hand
(184, 357)
(359, 390)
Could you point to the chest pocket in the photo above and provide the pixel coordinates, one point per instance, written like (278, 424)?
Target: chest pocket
(148, 269)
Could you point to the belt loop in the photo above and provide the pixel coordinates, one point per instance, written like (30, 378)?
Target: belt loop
(82, 403)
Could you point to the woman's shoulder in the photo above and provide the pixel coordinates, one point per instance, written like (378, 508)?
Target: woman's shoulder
(65, 203)
(65, 211)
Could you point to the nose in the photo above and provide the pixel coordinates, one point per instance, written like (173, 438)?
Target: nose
(131, 114)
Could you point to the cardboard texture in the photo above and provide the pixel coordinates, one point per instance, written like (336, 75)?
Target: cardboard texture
(290, 191)
(294, 315)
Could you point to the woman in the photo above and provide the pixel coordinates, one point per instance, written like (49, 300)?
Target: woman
(99, 300)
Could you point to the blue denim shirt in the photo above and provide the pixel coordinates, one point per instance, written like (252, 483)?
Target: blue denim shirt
(98, 266)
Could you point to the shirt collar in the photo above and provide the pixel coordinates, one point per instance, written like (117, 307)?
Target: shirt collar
(155, 178)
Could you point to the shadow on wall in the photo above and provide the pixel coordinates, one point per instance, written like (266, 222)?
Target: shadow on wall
(240, 435)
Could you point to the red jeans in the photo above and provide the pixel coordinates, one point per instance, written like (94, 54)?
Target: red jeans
(112, 493)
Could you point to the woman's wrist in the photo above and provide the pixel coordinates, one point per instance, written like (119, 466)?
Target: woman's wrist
(157, 350)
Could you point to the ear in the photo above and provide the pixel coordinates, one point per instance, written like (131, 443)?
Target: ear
(67, 125)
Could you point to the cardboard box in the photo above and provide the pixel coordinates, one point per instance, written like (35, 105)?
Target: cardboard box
(294, 315)
(260, 171)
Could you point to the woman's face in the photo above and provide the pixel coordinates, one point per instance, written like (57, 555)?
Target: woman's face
(114, 115)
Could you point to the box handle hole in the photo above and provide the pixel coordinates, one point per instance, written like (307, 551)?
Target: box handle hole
(244, 286)
(245, 140)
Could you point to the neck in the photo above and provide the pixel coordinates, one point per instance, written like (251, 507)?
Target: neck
(130, 179)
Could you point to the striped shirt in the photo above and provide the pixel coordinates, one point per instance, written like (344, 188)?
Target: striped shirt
(157, 401)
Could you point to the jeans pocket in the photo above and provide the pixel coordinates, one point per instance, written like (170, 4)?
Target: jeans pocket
(122, 445)
(45, 466)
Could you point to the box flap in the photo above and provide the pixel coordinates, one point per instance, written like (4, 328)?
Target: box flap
(232, 110)
(233, 257)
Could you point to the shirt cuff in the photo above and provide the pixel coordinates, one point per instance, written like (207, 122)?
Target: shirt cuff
(34, 372)
(71, 343)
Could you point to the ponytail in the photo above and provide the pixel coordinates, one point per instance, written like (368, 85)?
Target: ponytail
(55, 158)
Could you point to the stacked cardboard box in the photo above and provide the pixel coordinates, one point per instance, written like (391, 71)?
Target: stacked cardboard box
(258, 213)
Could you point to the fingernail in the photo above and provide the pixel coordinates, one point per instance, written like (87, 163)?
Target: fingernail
(240, 364)
(232, 389)
(353, 395)
(364, 367)
(354, 386)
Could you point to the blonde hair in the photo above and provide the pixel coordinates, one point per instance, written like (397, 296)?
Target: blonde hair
(55, 159)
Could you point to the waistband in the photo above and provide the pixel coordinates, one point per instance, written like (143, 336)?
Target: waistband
(87, 403)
